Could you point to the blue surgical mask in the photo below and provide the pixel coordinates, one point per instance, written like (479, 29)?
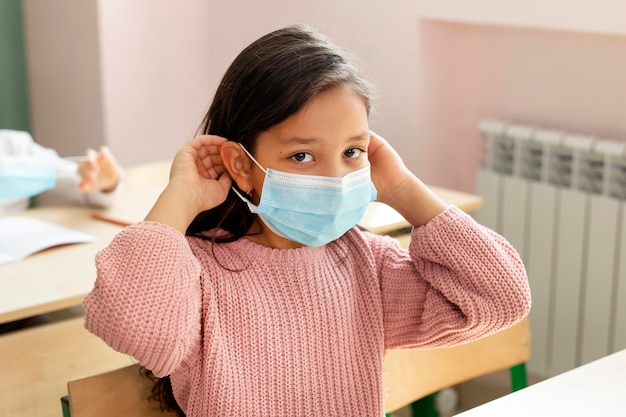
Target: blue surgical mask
(25, 176)
(309, 209)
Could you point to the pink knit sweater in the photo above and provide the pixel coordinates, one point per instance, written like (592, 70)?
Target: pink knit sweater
(247, 330)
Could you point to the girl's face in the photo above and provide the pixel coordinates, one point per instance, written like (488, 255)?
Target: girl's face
(329, 136)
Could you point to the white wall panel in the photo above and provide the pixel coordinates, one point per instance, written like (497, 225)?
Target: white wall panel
(514, 203)
(540, 267)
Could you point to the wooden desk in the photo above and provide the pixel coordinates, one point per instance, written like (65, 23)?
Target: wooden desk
(595, 389)
(380, 218)
(61, 277)
(37, 362)
(58, 277)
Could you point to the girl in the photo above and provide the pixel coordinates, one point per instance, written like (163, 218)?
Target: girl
(248, 283)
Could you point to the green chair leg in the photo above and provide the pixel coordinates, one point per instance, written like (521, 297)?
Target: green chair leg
(65, 406)
(425, 407)
(518, 377)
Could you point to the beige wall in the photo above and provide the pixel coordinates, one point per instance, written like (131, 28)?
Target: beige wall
(129, 74)
(63, 61)
(139, 74)
(572, 81)
(155, 80)
(151, 66)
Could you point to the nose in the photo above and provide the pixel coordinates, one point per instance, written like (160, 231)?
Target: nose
(335, 170)
(339, 170)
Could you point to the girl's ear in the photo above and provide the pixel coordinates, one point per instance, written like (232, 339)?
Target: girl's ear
(238, 165)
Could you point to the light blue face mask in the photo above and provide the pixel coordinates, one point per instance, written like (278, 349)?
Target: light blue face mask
(25, 176)
(309, 209)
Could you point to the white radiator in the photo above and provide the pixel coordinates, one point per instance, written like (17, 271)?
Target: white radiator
(560, 198)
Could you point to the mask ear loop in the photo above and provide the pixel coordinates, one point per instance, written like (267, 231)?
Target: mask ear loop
(252, 157)
(251, 206)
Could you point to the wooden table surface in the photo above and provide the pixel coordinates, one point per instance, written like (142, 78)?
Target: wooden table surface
(54, 278)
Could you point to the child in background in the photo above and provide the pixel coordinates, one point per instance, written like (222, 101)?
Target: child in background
(96, 181)
(248, 285)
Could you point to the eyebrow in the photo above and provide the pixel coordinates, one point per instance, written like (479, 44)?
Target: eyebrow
(297, 140)
(305, 141)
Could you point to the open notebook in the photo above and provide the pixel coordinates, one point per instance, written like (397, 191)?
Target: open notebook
(23, 236)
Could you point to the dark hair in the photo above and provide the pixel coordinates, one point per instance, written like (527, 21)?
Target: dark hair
(269, 81)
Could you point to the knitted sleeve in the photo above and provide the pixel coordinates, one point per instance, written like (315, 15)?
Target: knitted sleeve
(146, 301)
(461, 281)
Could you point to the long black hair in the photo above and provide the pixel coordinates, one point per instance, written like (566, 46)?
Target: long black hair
(269, 81)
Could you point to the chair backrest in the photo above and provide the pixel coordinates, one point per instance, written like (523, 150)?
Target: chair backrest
(121, 392)
(413, 374)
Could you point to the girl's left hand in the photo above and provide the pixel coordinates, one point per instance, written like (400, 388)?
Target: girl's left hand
(399, 187)
(389, 172)
(99, 172)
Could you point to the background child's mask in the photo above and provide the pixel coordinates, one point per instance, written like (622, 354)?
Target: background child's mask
(25, 176)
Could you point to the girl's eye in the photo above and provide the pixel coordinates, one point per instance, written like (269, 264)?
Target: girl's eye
(353, 153)
(302, 157)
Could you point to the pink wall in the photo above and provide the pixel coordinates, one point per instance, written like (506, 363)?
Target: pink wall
(139, 74)
(563, 80)
(603, 16)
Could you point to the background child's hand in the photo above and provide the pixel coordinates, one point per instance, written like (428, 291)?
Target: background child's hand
(99, 172)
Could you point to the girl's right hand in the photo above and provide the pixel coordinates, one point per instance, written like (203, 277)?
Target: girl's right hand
(198, 182)
(197, 168)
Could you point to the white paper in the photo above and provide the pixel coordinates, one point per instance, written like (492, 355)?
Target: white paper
(24, 236)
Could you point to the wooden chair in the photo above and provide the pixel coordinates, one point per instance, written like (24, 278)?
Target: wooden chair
(411, 375)
(121, 392)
